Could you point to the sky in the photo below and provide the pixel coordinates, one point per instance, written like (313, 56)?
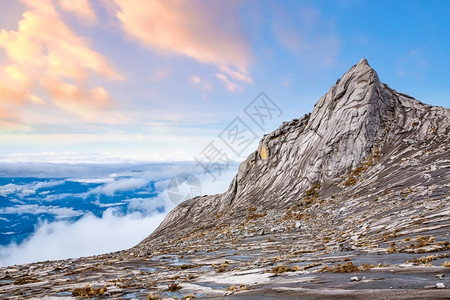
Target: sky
(160, 80)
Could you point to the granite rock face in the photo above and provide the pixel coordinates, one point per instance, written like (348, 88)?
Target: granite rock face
(359, 124)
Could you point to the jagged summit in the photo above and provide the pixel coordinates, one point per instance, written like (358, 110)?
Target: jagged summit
(357, 120)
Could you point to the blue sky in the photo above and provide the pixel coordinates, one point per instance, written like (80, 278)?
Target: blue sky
(160, 80)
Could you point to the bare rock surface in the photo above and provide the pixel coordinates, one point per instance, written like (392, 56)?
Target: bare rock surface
(351, 201)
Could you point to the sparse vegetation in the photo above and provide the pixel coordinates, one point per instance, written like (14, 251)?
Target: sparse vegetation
(173, 287)
(187, 266)
(313, 192)
(423, 241)
(25, 280)
(365, 267)
(153, 297)
(222, 267)
(426, 260)
(380, 265)
(339, 268)
(282, 269)
(88, 291)
(356, 173)
(252, 215)
(446, 264)
(234, 288)
(311, 265)
(392, 248)
(350, 181)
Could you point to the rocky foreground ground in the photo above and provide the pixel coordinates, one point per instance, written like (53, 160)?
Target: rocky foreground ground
(351, 201)
(275, 261)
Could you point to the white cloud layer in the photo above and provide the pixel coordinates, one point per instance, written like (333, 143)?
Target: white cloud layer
(114, 231)
(88, 236)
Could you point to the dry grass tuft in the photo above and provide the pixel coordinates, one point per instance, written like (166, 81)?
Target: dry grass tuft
(222, 268)
(346, 268)
(281, 269)
(88, 291)
(174, 287)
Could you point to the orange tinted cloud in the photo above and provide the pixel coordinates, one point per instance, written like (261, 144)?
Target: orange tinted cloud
(44, 50)
(203, 30)
(79, 99)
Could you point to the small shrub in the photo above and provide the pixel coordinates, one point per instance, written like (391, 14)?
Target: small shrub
(281, 269)
(426, 260)
(313, 192)
(446, 263)
(187, 266)
(365, 267)
(174, 287)
(311, 265)
(233, 288)
(391, 249)
(222, 268)
(252, 215)
(423, 241)
(350, 181)
(347, 268)
(25, 280)
(153, 297)
(88, 291)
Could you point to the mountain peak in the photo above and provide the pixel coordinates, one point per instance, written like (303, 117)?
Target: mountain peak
(363, 62)
(355, 123)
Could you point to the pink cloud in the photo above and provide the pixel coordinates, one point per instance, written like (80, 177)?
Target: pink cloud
(45, 52)
(195, 79)
(192, 28)
(228, 84)
(237, 75)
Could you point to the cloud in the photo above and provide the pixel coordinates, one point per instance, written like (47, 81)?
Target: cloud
(205, 86)
(45, 53)
(145, 205)
(59, 212)
(81, 8)
(121, 185)
(233, 87)
(113, 231)
(192, 28)
(237, 75)
(28, 189)
(195, 79)
(88, 236)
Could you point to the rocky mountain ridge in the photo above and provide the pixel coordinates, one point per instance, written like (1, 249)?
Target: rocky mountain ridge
(359, 124)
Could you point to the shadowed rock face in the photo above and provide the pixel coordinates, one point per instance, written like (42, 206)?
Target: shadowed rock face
(358, 126)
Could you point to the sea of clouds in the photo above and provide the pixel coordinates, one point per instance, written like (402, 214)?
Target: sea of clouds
(115, 229)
